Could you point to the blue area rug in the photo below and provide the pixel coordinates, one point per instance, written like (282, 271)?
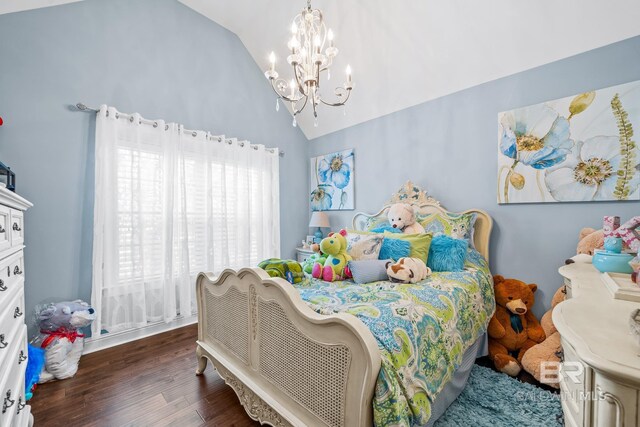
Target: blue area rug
(492, 399)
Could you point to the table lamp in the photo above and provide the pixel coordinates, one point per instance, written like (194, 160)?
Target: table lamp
(320, 220)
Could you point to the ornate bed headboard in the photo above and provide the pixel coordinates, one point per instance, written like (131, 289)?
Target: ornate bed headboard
(426, 206)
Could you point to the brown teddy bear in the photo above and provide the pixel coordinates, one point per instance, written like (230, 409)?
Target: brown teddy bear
(513, 329)
(549, 350)
(590, 239)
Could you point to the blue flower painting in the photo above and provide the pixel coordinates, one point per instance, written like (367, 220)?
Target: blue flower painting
(332, 181)
(579, 148)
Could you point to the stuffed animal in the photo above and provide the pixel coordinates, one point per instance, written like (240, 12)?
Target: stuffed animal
(403, 217)
(334, 246)
(408, 270)
(287, 269)
(513, 329)
(549, 350)
(60, 337)
(35, 363)
(590, 239)
(316, 258)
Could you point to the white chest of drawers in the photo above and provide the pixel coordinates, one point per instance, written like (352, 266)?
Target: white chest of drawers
(13, 331)
(600, 375)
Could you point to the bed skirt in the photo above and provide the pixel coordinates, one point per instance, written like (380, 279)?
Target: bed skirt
(452, 390)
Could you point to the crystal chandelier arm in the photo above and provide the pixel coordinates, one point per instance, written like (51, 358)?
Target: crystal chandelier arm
(339, 91)
(297, 71)
(280, 95)
(296, 112)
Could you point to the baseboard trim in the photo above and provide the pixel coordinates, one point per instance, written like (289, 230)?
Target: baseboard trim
(92, 345)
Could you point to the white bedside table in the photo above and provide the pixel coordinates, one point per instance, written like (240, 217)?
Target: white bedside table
(600, 381)
(303, 254)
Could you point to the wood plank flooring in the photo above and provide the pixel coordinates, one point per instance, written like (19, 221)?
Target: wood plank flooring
(149, 382)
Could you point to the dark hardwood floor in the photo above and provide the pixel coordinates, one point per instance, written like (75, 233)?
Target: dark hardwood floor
(149, 382)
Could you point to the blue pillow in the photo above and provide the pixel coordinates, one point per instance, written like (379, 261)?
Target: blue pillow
(447, 253)
(369, 270)
(382, 228)
(394, 249)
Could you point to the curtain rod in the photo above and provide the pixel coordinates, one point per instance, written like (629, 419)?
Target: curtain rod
(83, 107)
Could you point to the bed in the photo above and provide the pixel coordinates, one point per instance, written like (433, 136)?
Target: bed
(315, 354)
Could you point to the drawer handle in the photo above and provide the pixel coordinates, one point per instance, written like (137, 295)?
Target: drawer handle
(3, 343)
(21, 357)
(17, 313)
(2, 286)
(16, 227)
(21, 405)
(17, 270)
(8, 402)
(2, 230)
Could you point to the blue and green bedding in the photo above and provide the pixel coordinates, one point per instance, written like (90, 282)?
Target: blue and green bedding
(422, 331)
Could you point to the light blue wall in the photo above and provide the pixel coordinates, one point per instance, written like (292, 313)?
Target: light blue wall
(163, 60)
(156, 57)
(449, 146)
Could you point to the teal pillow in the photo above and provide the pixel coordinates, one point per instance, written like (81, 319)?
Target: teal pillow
(394, 249)
(447, 253)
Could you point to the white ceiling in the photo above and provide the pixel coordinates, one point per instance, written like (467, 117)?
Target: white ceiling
(8, 6)
(405, 52)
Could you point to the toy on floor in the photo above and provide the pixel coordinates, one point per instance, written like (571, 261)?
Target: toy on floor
(287, 269)
(334, 246)
(549, 350)
(403, 217)
(35, 363)
(513, 329)
(60, 337)
(408, 270)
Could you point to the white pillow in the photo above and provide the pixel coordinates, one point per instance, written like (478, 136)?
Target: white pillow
(364, 246)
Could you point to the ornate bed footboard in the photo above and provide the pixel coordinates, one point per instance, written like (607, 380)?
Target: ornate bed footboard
(288, 364)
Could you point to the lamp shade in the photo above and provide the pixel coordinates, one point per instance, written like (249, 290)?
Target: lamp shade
(319, 219)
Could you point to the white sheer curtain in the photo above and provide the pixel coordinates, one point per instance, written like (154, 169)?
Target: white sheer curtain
(168, 205)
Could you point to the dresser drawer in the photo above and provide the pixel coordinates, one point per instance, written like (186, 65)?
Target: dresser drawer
(12, 392)
(5, 227)
(574, 376)
(568, 287)
(17, 227)
(22, 417)
(11, 273)
(11, 320)
(12, 382)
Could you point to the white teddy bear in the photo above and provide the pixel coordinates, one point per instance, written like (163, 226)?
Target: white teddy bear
(403, 217)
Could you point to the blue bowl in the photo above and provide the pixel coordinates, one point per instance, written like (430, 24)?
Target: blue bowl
(609, 262)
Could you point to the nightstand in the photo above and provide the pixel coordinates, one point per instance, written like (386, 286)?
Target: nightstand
(303, 254)
(600, 374)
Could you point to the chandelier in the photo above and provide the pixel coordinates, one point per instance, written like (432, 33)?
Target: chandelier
(309, 60)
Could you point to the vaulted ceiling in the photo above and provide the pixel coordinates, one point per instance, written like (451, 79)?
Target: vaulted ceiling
(405, 52)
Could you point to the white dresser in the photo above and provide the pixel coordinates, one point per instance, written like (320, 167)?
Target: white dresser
(13, 330)
(600, 381)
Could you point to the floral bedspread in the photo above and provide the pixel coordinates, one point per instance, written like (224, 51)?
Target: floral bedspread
(422, 331)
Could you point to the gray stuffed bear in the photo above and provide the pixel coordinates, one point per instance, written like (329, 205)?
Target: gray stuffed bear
(60, 337)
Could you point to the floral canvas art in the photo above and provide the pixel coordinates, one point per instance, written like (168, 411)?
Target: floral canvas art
(576, 149)
(332, 178)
